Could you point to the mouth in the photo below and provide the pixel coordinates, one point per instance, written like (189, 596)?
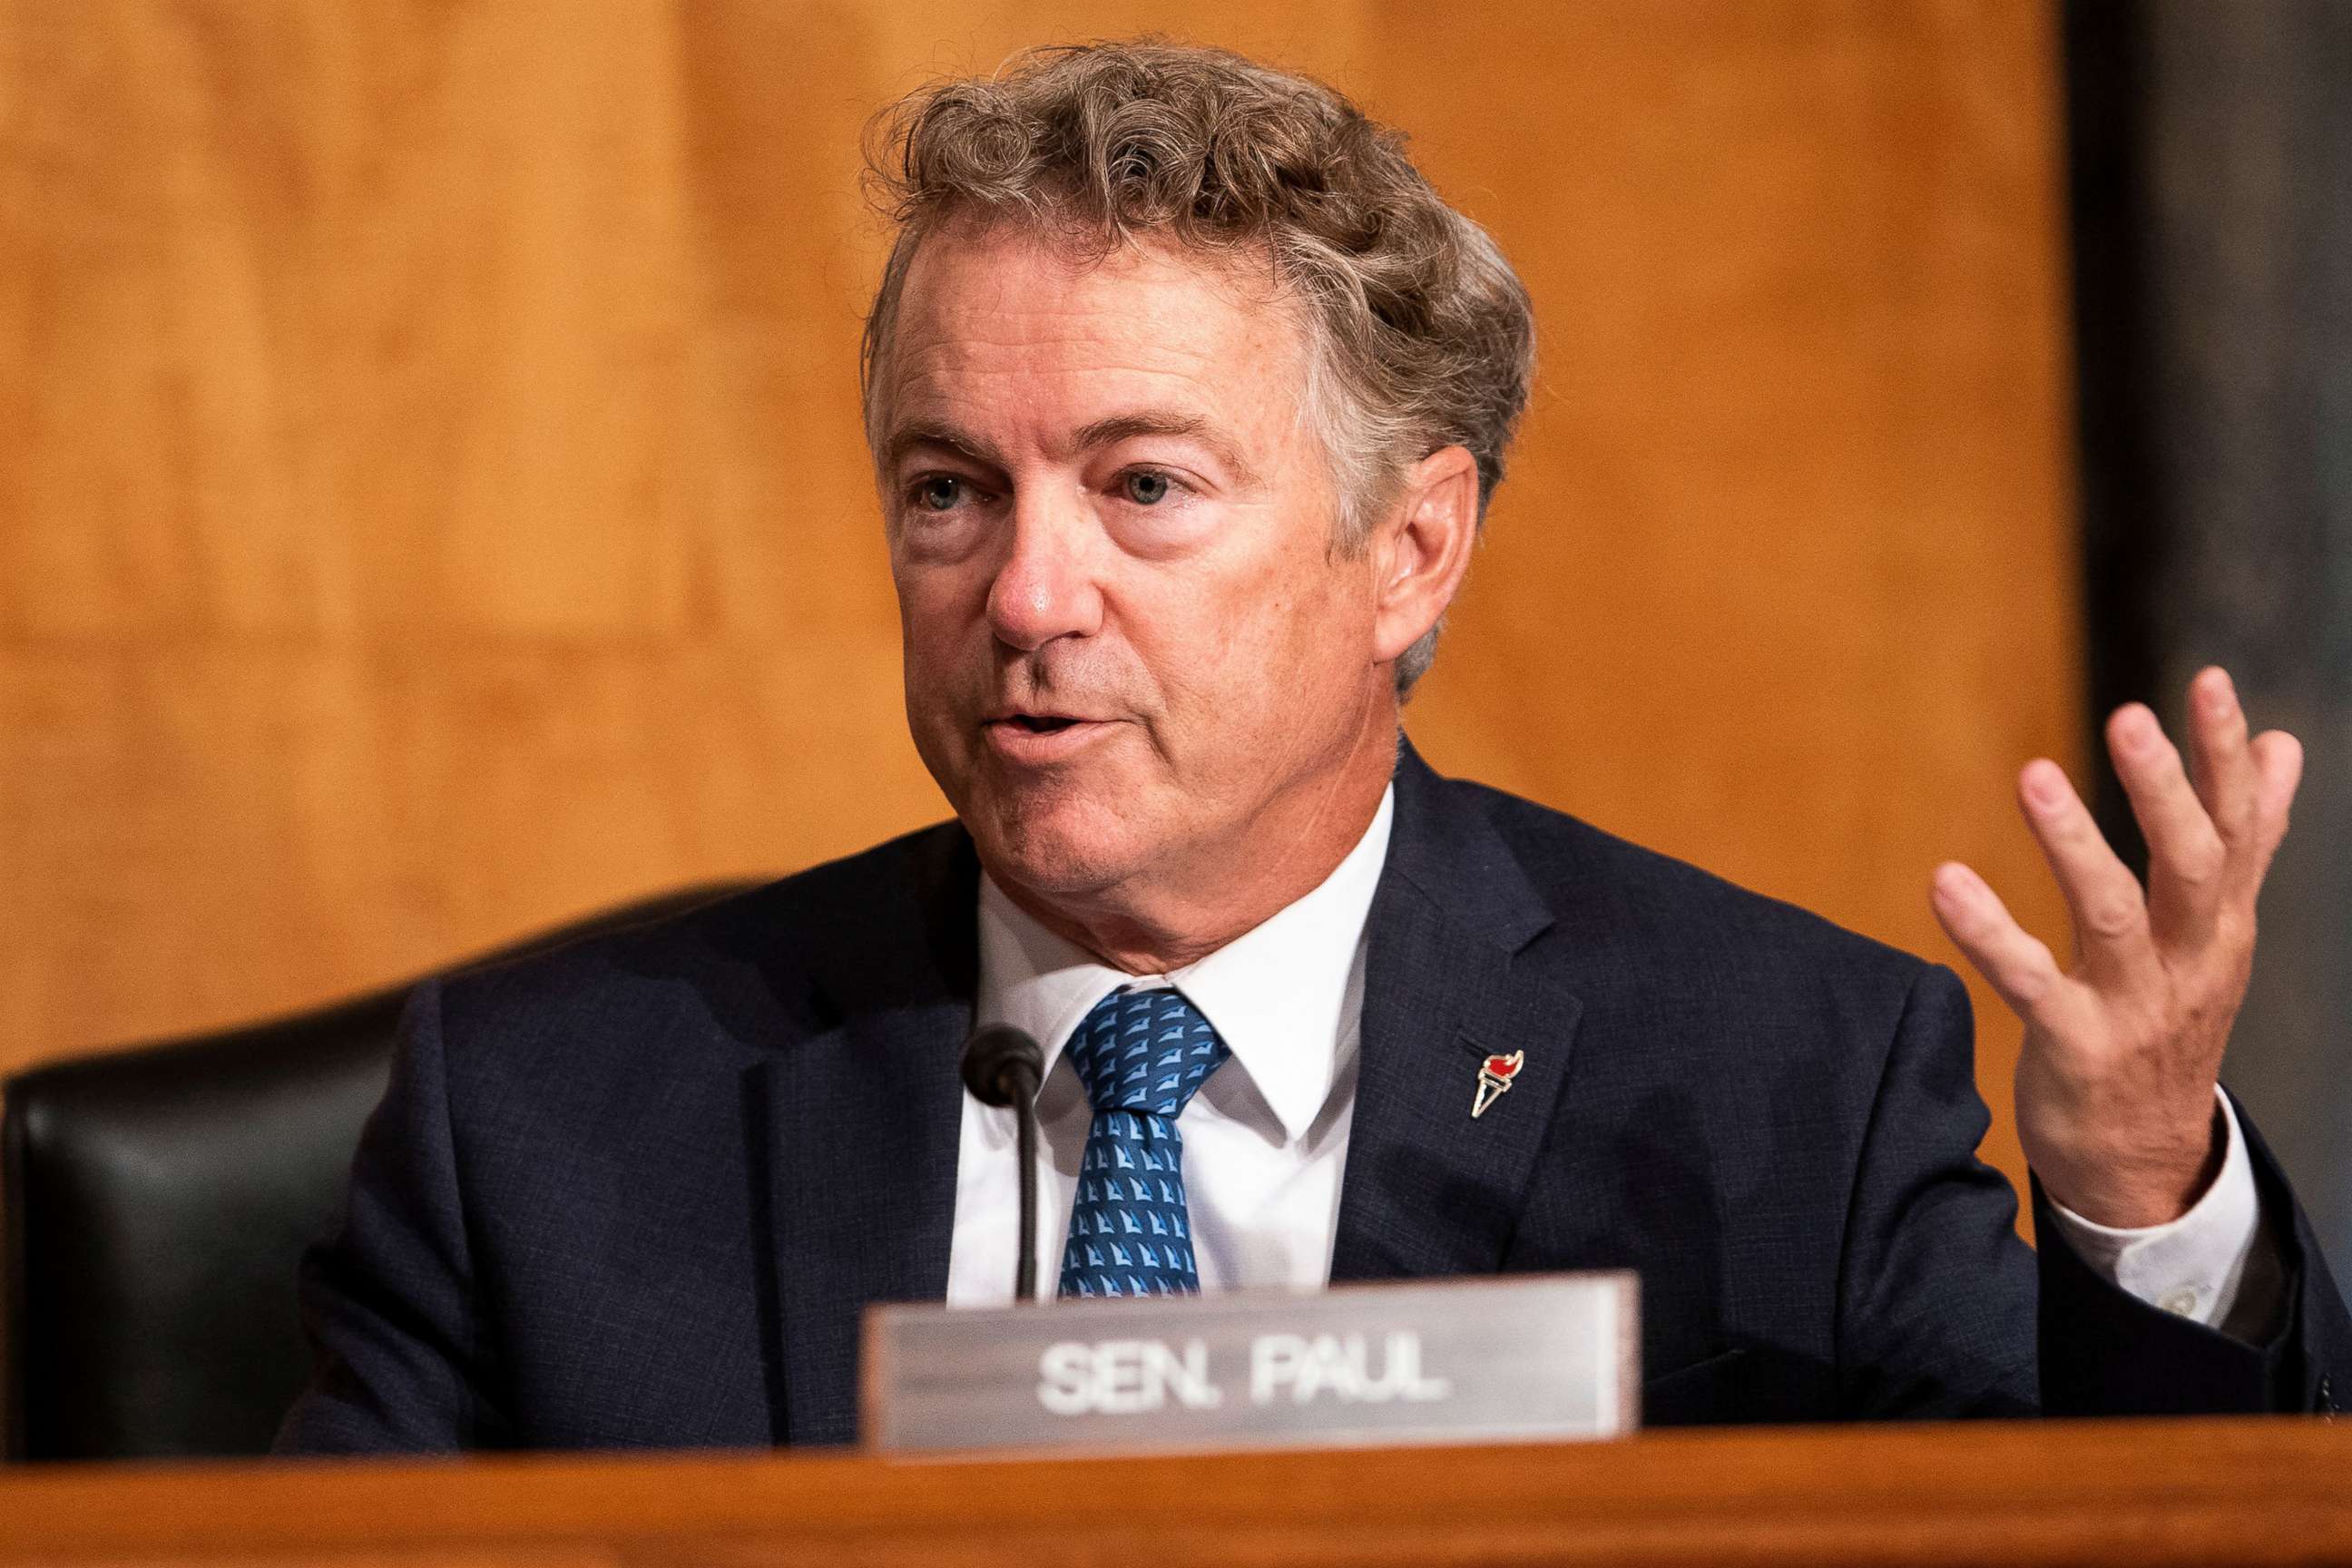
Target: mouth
(1040, 737)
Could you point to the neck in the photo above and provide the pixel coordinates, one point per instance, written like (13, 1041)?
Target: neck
(1288, 851)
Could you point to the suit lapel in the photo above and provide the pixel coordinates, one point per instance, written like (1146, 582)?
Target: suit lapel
(1428, 1189)
(863, 1122)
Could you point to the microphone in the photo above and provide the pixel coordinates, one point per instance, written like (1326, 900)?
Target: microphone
(1003, 1066)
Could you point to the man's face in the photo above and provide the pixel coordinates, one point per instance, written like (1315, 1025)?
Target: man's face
(1131, 651)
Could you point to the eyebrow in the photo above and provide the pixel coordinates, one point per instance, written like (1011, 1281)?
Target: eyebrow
(922, 433)
(1121, 428)
(1106, 432)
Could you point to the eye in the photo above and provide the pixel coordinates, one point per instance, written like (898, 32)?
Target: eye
(1145, 487)
(936, 492)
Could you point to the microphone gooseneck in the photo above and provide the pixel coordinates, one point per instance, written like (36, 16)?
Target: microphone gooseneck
(1003, 1066)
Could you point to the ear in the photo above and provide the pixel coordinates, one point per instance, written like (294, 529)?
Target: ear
(1422, 548)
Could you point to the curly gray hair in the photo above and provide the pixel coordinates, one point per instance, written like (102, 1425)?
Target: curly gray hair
(1421, 335)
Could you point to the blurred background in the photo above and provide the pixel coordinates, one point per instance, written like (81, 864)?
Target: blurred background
(432, 504)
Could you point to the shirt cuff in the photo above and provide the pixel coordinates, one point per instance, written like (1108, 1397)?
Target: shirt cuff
(2197, 1266)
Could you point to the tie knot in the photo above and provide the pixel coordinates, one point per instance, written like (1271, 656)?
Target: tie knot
(1145, 1051)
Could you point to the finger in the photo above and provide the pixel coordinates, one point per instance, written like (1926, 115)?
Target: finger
(2014, 962)
(2185, 857)
(2111, 929)
(2224, 764)
(2278, 771)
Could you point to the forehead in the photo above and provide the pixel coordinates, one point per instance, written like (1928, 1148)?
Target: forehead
(1001, 323)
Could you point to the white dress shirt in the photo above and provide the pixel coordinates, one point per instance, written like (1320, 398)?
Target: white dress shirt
(1266, 1136)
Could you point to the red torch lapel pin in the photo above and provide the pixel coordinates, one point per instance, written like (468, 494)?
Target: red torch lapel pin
(1495, 1076)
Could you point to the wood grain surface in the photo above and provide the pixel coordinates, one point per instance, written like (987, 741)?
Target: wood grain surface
(431, 500)
(2242, 1492)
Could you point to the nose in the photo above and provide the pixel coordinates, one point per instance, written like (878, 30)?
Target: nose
(1045, 587)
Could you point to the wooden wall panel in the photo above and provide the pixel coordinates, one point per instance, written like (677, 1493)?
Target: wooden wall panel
(431, 502)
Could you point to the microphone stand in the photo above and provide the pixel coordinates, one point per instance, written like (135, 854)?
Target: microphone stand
(1024, 1121)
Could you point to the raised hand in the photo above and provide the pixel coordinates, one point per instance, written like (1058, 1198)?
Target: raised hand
(2115, 1084)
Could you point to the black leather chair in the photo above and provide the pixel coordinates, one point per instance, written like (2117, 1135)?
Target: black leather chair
(156, 1202)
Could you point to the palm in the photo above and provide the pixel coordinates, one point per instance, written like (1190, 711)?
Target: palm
(2115, 1082)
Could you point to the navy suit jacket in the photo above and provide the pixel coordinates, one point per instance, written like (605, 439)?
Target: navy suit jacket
(637, 1192)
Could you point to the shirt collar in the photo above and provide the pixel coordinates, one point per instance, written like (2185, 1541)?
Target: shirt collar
(1277, 994)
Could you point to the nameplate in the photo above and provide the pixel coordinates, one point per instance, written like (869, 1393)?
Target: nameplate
(1488, 1360)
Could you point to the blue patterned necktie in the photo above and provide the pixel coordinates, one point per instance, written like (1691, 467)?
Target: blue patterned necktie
(1141, 1055)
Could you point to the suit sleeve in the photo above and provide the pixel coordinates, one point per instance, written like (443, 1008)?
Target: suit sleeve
(399, 1358)
(1935, 1291)
(1945, 1312)
(2107, 1352)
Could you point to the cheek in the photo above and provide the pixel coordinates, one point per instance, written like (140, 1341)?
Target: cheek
(1257, 668)
(1312, 613)
(932, 661)
(936, 605)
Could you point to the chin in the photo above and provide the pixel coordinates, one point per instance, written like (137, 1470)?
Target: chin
(1060, 847)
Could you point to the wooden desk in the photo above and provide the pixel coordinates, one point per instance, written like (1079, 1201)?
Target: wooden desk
(2126, 1492)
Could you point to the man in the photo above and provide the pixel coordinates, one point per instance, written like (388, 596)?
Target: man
(1186, 397)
